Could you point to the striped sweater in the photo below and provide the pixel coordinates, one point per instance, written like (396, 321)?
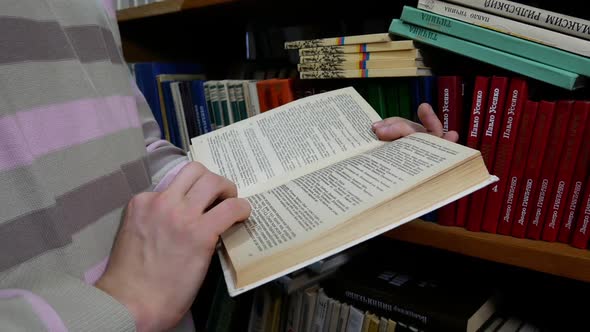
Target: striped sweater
(77, 140)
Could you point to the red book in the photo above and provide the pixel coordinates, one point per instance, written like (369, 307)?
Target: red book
(532, 169)
(513, 109)
(478, 106)
(562, 182)
(551, 161)
(580, 236)
(515, 177)
(491, 129)
(577, 184)
(450, 113)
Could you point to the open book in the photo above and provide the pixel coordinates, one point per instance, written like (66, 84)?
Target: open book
(319, 181)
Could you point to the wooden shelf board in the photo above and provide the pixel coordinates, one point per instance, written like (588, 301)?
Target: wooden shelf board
(165, 7)
(553, 258)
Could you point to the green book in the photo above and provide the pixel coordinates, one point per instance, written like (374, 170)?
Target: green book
(501, 41)
(534, 69)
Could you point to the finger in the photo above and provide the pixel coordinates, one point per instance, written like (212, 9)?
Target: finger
(398, 129)
(185, 179)
(429, 119)
(452, 136)
(225, 214)
(209, 188)
(386, 122)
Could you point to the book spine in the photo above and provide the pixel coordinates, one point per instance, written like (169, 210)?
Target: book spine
(335, 41)
(360, 48)
(532, 170)
(398, 308)
(565, 172)
(527, 67)
(494, 113)
(339, 58)
(581, 234)
(371, 64)
(580, 174)
(476, 119)
(522, 47)
(516, 97)
(450, 112)
(508, 26)
(550, 165)
(515, 177)
(570, 25)
(363, 73)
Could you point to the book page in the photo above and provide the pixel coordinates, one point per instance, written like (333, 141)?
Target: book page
(288, 141)
(304, 208)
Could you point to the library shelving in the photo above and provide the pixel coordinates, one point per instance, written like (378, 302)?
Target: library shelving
(553, 258)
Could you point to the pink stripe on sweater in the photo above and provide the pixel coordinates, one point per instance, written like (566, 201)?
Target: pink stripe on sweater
(95, 272)
(42, 309)
(167, 179)
(27, 135)
(109, 5)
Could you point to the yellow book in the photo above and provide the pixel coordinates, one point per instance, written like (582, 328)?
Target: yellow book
(357, 65)
(366, 56)
(319, 181)
(398, 45)
(364, 73)
(335, 41)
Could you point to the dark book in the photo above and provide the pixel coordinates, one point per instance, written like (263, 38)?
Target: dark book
(428, 300)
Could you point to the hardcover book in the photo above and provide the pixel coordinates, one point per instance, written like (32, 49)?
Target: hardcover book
(517, 64)
(319, 182)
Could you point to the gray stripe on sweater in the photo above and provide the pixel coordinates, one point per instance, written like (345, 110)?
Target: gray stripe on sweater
(67, 12)
(28, 85)
(63, 171)
(37, 232)
(17, 312)
(27, 40)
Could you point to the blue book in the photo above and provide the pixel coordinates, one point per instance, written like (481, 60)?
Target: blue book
(201, 106)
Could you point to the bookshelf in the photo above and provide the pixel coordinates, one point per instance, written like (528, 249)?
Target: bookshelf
(553, 258)
(550, 257)
(166, 7)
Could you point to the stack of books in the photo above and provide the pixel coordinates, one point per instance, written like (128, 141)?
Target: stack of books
(358, 56)
(538, 43)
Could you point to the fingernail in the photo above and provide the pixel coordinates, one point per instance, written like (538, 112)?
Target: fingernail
(378, 124)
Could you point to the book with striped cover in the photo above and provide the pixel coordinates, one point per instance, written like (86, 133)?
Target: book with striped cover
(360, 48)
(368, 64)
(339, 58)
(335, 41)
(363, 73)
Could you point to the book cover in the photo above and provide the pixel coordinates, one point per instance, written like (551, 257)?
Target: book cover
(336, 41)
(515, 177)
(551, 162)
(489, 37)
(516, 96)
(396, 45)
(364, 73)
(319, 181)
(368, 56)
(476, 120)
(540, 71)
(450, 113)
(490, 133)
(582, 233)
(367, 64)
(571, 209)
(532, 171)
(508, 26)
(572, 143)
(574, 26)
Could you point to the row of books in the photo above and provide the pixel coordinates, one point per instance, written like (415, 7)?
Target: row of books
(370, 292)
(535, 147)
(371, 55)
(552, 57)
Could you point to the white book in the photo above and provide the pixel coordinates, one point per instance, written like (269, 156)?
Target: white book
(567, 24)
(508, 26)
(355, 320)
(319, 182)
